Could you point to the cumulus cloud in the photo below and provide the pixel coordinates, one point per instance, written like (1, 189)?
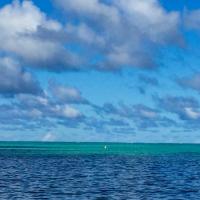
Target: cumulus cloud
(192, 82)
(14, 79)
(186, 108)
(142, 116)
(124, 32)
(100, 35)
(49, 137)
(30, 112)
(147, 16)
(109, 35)
(46, 107)
(192, 113)
(66, 94)
(33, 110)
(89, 9)
(151, 19)
(22, 25)
(139, 110)
(192, 19)
(64, 111)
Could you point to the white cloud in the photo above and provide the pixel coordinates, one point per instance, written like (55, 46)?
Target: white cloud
(192, 19)
(125, 31)
(148, 114)
(90, 8)
(45, 107)
(192, 82)
(150, 19)
(17, 22)
(49, 137)
(14, 79)
(191, 113)
(65, 111)
(85, 34)
(66, 94)
(24, 18)
(23, 27)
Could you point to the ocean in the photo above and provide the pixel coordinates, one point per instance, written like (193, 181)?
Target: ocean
(99, 171)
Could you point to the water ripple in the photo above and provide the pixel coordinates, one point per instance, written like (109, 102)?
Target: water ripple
(83, 177)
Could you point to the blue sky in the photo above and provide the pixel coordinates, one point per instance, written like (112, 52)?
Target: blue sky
(100, 70)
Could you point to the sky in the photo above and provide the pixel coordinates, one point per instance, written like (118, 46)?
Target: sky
(100, 70)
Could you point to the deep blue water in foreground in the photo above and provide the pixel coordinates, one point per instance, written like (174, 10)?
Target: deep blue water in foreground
(79, 176)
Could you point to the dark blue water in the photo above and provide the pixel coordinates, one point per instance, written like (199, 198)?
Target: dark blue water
(78, 177)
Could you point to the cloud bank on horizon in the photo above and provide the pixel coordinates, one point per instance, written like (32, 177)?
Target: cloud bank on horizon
(100, 70)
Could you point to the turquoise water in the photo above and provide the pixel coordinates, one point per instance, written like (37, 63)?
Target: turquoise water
(61, 148)
(87, 171)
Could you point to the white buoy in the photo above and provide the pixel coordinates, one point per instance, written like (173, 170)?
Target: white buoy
(105, 147)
